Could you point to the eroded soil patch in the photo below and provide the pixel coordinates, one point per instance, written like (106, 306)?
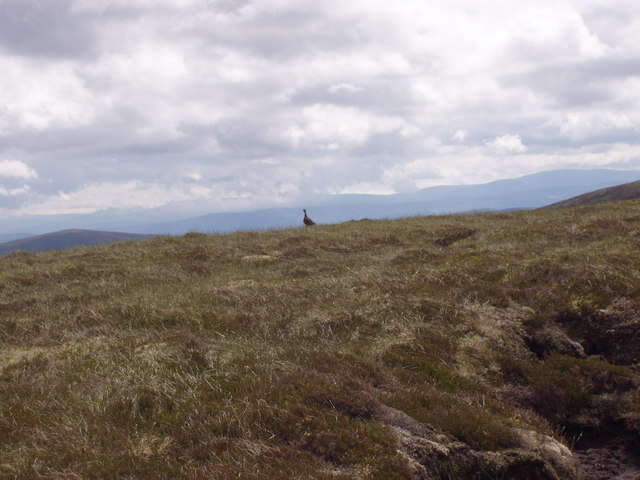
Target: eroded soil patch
(604, 458)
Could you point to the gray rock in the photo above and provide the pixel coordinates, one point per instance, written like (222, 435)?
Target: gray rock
(432, 455)
(552, 339)
(551, 450)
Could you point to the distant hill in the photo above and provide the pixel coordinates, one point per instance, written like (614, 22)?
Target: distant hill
(530, 191)
(67, 239)
(526, 192)
(627, 191)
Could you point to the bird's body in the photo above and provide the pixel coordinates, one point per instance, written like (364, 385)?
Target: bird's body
(307, 221)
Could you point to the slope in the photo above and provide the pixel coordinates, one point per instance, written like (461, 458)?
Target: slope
(67, 239)
(627, 191)
(469, 346)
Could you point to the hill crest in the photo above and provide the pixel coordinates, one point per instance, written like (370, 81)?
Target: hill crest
(68, 238)
(626, 191)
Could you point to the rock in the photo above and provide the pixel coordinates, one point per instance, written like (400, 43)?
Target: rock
(433, 458)
(551, 339)
(557, 454)
(258, 258)
(431, 454)
(445, 457)
(517, 465)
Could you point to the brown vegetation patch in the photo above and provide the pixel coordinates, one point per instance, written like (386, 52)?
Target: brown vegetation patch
(292, 241)
(17, 306)
(415, 256)
(570, 391)
(383, 240)
(613, 333)
(20, 256)
(452, 235)
(503, 216)
(336, 248)
(299, 252)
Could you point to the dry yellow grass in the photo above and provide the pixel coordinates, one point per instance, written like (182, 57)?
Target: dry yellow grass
(258, 355)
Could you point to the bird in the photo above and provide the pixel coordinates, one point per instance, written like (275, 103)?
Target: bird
(307, 221)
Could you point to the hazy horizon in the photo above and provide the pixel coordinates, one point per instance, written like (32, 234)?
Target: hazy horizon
(530, 191)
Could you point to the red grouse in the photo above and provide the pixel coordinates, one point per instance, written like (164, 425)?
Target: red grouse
(307, 221)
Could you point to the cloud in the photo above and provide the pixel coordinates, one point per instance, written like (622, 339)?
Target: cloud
(45, 29)
(241, 104)
(507, 144)
(14, 192)
(344, 88)
(459, 136)
(132, 194)
(16, 169)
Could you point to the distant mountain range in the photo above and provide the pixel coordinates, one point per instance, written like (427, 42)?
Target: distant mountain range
(66, 239)
(530, 191)
(627, 191)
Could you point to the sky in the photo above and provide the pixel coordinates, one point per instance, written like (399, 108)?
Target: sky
(235, 104)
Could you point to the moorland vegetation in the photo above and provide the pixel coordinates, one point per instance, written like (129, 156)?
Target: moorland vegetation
(465, 346)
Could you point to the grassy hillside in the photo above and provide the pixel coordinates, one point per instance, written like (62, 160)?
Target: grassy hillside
(435, 347)
(627, 191)
(66, 239)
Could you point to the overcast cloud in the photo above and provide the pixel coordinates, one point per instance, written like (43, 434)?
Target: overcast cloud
(235, 104)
